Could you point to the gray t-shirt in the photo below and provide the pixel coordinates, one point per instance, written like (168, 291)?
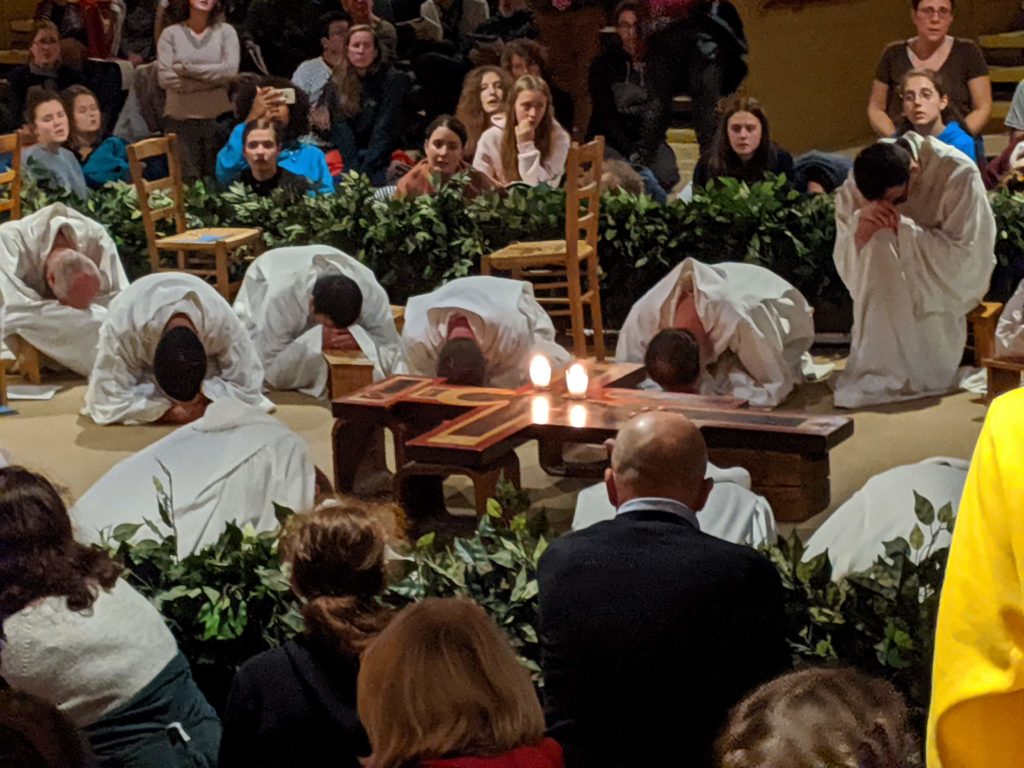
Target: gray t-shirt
(1015, 117)
(62, 165)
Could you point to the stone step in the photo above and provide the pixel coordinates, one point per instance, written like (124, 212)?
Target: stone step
(1013, 39)
(1006, 74)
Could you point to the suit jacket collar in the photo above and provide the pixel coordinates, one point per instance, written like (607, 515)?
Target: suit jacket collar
(666, 510)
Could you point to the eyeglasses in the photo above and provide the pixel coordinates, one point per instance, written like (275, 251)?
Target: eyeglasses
(942, 13)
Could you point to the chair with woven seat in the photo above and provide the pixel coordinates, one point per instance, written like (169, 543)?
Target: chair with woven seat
(207, 252)
(10, 179)
(557, 268)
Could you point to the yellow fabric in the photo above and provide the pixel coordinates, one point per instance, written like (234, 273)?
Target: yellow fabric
(977, 708)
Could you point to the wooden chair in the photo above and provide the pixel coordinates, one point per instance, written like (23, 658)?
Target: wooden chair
(27, 359)
(555, 267)
(349, 372)
(981, 330)
(11, 178)
(205, 252)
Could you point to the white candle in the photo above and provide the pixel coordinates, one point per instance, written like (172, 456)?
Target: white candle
(540, 372)
(578, 415)
(540, 409)
(576, 381)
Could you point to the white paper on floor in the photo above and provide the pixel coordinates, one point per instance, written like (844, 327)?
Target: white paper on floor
(32, 391)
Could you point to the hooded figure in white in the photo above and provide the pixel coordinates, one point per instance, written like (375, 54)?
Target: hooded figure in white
(1010, 330)
(274, 304)
(753, 328)
(927, 264)
(231, 465)
(122, 386)
(58, 272)
(501, 315)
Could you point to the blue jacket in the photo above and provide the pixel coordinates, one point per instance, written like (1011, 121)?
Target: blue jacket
(303, 160)
(108, 162)
(957, 137)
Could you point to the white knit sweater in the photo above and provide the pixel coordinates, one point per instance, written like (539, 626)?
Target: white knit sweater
(533, 169)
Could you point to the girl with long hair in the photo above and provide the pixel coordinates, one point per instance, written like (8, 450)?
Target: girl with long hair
(928, 112)
(445, 152)
(483, 103)
(742, 148)
(103, 157)
(532, 147)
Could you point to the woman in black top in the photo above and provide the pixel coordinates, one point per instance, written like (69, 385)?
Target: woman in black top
(742, 148)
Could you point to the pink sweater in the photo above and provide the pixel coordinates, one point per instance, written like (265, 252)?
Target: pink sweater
(533, 169)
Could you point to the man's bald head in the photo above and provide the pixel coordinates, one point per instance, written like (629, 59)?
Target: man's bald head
(73, 277)
(659, 454)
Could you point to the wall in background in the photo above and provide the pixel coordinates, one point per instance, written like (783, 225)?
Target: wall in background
(11, 10)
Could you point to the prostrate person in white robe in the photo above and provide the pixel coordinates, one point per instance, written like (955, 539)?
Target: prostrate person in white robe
(300, 302)
(232, 464)
(914, 246)
(1010, 329)
(169, 346)
(883, 510)
(58, 272)
(733, 512)
(479, 331)
(752, 327)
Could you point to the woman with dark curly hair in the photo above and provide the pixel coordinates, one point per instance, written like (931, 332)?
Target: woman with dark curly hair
(80, 638)
(296, 705)
(277, 99)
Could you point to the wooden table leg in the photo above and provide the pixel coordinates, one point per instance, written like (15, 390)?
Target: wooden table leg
(1001, 380)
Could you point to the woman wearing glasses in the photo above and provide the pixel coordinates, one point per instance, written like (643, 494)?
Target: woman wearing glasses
(959, 62)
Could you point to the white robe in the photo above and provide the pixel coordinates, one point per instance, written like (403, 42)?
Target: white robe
(883, 510)
(122, 387)
(759, 327)
(1010, 330)
(912, 290)
(233, 464)
(273, 304)
(28, 308)
(733, 512)
(509, 325)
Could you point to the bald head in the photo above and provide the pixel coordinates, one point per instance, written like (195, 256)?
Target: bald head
(73, 277)
(660, 454)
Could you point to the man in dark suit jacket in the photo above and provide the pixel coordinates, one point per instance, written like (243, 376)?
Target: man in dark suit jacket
(651, 630)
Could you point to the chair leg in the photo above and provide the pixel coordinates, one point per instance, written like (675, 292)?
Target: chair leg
(485, 265)
(1000, 381)
(579, 339)
(596, 314)
(223, 280)
(28, 361)
(3, 381)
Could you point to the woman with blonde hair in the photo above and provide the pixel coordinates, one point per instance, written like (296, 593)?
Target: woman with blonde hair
(296, 705)
(483, 103)
(441, 688)
(531, 147)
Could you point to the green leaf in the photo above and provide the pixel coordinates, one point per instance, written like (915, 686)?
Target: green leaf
(923, 509)
(494, 508)
(916, 538)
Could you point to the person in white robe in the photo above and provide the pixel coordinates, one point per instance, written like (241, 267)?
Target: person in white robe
(276, 305)
(855, 534)
(733, 512)
(501, 316)
(123, 386)
(58, 272)
(231, 465)
(914, 246)
(753, 328)
(1010, 329)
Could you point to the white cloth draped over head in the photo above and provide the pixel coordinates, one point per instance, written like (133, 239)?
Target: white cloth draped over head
(509, 325)
(122, 387)
(855, 534)
(273, 304)
(733, 512)
(912, 290)
(1010, 330)
(29, 308)
(759, 327)
(232, 464)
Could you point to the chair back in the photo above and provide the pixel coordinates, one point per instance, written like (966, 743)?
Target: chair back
(11, 178)
(583, 194)
(138, 153)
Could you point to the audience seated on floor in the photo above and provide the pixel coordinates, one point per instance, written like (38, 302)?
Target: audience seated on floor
(299, 302)
(34, 733)
(742, 148)
(44, 68)
(513, 21)
(262, 149)
(233, 464)
(618, 174)
(48, 159)
(138, 39)
(443, 34)
(296, 704)
(531, 147)
(479, 331)
(650, 629)
(820, 173)
(855, 534)
(441, 688)
(914, 246)
(384, 33)
(818, 717)
(278, 100)
(483, 103)
(313, 76)
(83, 640)
(169, 346)
(279, 33)
(444, 150)
(365, 105)
(528, 57)
(752, 328)
(927, 112)
(103, 157)
(58, 272)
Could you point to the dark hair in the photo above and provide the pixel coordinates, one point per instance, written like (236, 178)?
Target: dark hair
(35, 734)
(68, 95)
(326, 19)
(640, 9)
(338, 297)
(178, 11)
(528, 49)
(462, 362)
(621, 175)
(724, 161)
(673, 359)
(243, 94)
(453, 124)
(179, 364)
(880, 167)
(39, 556)
(915, 3)
(36, 97)
(337, 557)
(262, 124)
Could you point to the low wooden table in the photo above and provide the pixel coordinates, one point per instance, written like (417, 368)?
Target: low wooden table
(1003, 374)
(476, 428)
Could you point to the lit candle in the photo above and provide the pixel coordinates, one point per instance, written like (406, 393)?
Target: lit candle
(578, 416)
(540, 372)
(540, 409)
(576, 381)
